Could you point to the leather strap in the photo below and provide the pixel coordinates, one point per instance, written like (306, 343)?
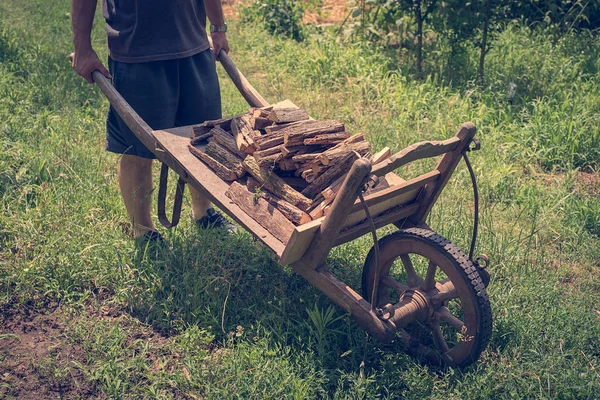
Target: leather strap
(162, 195)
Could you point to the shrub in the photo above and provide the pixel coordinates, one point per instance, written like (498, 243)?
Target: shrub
(279, 17)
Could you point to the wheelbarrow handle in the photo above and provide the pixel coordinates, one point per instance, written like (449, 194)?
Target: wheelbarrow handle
(246, 89)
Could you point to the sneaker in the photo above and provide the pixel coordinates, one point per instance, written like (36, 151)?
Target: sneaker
(215, 220)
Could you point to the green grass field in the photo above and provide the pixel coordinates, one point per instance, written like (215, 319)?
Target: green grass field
(87, 314)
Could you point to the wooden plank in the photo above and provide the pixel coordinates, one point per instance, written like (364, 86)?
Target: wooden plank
(261, 211)
(173, 143)
(380, 208)
(389, 217)
(394, 191)
(415, 152)
(299, 241)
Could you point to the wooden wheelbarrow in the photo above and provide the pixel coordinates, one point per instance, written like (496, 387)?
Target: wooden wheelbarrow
(417, 287)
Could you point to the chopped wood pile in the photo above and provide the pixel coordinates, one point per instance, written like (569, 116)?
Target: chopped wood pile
(294, 165)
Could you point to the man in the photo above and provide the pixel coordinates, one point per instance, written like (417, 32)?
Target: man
(161, 63)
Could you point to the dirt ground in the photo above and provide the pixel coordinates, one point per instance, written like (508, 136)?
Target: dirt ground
(36, 362)
(330, 12)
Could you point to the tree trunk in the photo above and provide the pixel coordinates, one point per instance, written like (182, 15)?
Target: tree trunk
(480, 71)
(419, 19)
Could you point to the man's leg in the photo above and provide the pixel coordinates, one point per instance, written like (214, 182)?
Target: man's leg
(135, 182)
(199, 204)
(200, 100)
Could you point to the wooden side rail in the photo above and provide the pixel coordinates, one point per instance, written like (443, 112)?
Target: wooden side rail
(415, 152)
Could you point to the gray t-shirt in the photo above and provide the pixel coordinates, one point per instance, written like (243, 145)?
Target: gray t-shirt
(154, 30)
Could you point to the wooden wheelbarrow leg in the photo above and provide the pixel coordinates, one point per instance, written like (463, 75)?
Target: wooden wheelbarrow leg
(310, 266)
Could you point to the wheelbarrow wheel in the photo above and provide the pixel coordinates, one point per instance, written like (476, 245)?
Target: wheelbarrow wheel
(454, 321)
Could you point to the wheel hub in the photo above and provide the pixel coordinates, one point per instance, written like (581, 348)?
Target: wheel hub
(413, 306)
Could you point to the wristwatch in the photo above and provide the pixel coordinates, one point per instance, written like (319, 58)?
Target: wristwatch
(218, 28)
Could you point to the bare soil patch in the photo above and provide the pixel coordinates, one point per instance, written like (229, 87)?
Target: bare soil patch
(36, 362)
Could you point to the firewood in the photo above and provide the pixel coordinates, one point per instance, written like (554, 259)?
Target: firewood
(340, 168)
(228, 159)
(319, 210)
(308, 175)
(227, 141)
(206, 126)
(268, 140)
(356, 138)
(331, 191)
(275, 184)
(220, 170)
(259, 118)
(282, 127)
(306, 158)
(380, 155)
(258, 154)
(288, 152)
(200, 138)
(327, 139)
(261, 211)
(285, 115)
(296, 134)
(335, 154)
(241, 131)
(268, 161)
(291, 212)
(287, 165)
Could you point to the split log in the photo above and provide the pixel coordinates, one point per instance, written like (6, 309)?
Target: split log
(244, 134)
(259, 118)
(226, 158)
(200, 138)
(261, 211)
(227, 141)
(268, 140)
(288, 152)
(306, 158)
(380, 155)
(308, 175)
(296, 134)
(339, 169)
(356, 138)
(269, 152)
(319, 210)
(327, 139)
(220, 170)
(335, 154)
(268, 161)
(291, 212)
(206, 126)
(286, 115)
(275, 184)
(282, 127)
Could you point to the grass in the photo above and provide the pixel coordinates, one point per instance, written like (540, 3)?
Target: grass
(215, 317)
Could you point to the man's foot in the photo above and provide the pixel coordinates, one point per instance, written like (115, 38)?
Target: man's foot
(151, 237)
(215, 220)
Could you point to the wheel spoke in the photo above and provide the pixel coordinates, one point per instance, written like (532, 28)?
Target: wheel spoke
(429, 282)
(438, 336)
(412, 278)
(397, 286)
(446, 316)
(446, 292)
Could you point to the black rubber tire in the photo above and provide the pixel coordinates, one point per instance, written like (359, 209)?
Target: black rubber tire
(459, 262)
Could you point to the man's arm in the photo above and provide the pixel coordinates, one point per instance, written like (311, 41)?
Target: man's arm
(84, 59)
(214, 11)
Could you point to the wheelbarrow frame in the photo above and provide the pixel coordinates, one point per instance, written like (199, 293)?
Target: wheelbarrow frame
(307, 252)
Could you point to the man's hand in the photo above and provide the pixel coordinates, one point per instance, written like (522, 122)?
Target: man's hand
(219, 40)
(87, 61)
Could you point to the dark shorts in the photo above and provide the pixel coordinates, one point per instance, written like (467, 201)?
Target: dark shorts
(165, 94)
